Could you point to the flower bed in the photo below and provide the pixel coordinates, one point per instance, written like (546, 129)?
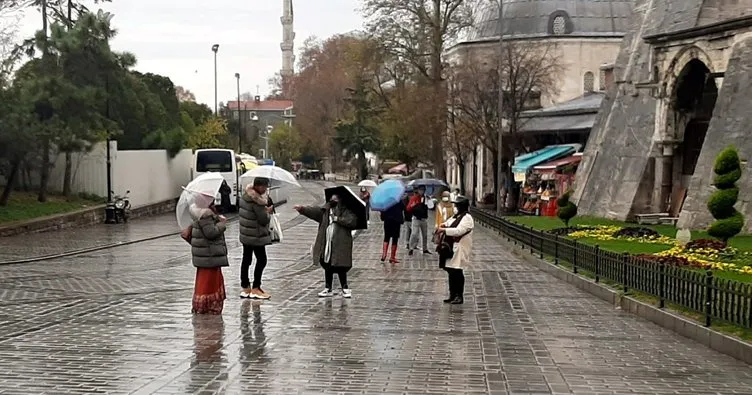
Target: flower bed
(701, 254)
(609, 233)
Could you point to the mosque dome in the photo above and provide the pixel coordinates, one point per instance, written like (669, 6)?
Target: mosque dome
(541, 18)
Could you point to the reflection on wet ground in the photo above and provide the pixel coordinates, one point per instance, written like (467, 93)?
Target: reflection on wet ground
(118, 321)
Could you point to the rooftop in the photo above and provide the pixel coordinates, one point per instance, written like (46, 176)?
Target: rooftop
(537, 18)
(261, 105)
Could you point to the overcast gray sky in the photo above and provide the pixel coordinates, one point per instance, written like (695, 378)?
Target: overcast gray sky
(174, 38)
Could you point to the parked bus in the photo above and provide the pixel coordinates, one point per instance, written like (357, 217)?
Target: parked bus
(220, 161)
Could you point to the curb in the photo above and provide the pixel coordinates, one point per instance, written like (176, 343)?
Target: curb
(708, 337)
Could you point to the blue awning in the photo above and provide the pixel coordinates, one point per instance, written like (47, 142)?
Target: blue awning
(523, 163)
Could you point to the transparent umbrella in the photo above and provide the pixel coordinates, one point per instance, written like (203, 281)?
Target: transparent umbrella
(367, 184)
(200, 192)
(273, 173)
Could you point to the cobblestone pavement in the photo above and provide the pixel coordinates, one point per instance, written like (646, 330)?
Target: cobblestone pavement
(118, 321)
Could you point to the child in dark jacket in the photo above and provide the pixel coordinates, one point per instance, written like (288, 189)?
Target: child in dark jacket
(393, 219)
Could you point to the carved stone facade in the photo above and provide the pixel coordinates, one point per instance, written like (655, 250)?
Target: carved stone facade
(681, 95)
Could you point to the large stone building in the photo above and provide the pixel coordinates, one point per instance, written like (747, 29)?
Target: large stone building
(587, 35)
(681, 95)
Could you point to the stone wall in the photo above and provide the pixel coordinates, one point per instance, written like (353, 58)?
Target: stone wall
(730, 126)
(616, 178)
(618, 152)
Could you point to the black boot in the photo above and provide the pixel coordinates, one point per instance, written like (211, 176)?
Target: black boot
(452, 286)
(451, 291)
(460, 290)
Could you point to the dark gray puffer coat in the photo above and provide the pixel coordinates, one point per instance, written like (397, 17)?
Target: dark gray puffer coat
(208, 240)
(254, 220)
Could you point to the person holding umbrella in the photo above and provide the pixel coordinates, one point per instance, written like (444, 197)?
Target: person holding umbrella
(419, 210)
(408, 216)
(393, 219)
(255, 234)
(366, 197)
(209, 252)
(338, 218)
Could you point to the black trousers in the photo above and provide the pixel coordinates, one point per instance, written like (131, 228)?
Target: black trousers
(456, 281)
(329, 277)
(392, 232)
(245, 266)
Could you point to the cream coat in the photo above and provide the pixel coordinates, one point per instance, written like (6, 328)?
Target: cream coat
(463, 249)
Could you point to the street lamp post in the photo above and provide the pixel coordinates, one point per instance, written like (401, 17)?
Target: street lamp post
(240, 118)
(215, 48)
(269, 129)
(499, 203)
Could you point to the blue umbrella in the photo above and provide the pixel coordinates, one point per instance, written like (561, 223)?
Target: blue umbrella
(386, 195)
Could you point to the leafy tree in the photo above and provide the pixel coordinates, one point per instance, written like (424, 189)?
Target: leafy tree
(285, 145)
(184, 95)
(208, 134)
(419, 32)
(198, 112)
(357, 135)
(728, 171)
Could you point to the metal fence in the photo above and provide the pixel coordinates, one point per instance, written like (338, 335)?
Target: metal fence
(694, 290)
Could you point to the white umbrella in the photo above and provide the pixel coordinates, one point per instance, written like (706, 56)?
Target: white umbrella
(368, 184)
(273, 173)
(200, 192)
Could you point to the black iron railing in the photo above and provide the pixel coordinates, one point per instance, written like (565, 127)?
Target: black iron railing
(694, 290)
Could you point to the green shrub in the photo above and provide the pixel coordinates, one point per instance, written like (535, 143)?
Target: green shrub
(567, 210)
(721, 203)
(728, 171)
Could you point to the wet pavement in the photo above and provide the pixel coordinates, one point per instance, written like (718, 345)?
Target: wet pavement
(118, 321)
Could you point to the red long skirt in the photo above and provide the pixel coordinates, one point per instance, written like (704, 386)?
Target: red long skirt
(209, 293)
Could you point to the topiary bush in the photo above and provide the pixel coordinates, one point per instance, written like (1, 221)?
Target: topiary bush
(567, 210)
(728, 171)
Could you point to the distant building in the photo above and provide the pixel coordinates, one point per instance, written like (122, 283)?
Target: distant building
(588, 35)
(268, 112)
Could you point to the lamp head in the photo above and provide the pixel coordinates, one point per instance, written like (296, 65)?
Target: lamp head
(237, 75)
(215, 48)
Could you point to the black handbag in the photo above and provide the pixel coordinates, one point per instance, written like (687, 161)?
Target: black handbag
(445, 246)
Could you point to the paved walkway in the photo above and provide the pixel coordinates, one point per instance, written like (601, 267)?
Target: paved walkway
(118, 321)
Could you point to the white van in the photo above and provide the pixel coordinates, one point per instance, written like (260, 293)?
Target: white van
(220, 161)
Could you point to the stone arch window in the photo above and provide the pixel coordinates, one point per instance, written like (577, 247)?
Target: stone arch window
(588, 82)
(602, 80)
(559, 23)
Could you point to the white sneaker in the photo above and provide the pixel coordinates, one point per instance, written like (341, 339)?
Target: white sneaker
(347, 293)
(246, 295)
(327, 293)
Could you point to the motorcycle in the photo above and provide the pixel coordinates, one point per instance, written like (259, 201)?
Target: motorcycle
(118, 209)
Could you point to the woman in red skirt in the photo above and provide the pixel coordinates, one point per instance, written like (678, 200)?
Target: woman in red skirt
(209, 257)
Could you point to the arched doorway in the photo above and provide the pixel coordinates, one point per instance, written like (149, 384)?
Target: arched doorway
(693, 102)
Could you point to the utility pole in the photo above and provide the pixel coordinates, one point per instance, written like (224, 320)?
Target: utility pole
(500, 203)
(215, 48)
(240, 118)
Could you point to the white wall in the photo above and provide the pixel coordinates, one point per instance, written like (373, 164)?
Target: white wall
(151, 175)
(89, 171)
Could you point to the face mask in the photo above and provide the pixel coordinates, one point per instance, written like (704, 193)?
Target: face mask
(445, 199)
(333, 203)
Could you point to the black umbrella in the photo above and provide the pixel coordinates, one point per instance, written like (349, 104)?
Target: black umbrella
(348, 198)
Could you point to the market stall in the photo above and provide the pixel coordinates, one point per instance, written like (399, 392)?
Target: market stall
(534, 187)
(556, 178)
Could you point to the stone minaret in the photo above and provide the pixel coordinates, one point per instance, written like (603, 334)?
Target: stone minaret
(288, 39)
